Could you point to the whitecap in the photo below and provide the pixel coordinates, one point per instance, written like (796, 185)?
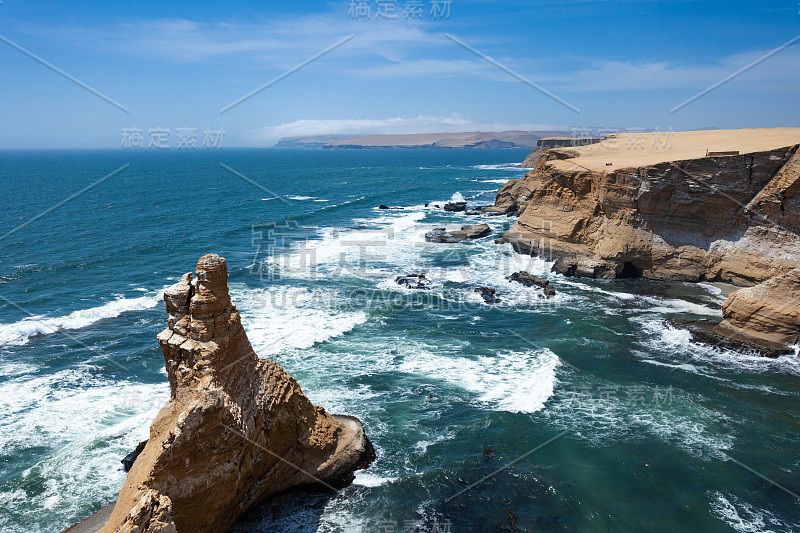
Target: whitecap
(70, 413)
(501, 181)
(506, 381)
(746, 518)
(368, 479)
(675, 342)
(301, 198)
(285, 317)
(18, 333)
(457, 197)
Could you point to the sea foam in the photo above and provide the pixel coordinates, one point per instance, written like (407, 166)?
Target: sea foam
(18, 333)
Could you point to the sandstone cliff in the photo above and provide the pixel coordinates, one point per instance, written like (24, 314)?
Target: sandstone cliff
(630, 207)
(766, 315)
(236, 430)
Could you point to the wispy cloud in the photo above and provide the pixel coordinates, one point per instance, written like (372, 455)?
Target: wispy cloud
(268, 136)
(402, 50)
(779, 74)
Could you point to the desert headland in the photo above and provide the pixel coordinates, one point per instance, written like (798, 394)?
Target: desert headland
(472, 139)
(714, 206)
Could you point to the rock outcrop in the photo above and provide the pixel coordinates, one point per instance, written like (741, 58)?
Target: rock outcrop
(489, 295)
(236, 430)
(414, 281)
(442, 235)
(529, 280)
(766, 315)
(455, 207)
(635, 205)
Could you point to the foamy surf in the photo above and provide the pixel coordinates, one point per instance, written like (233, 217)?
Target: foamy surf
(18, 333)
(281, 318)
(506, 381)
(88, 422)
(676, 343)
(746, 518)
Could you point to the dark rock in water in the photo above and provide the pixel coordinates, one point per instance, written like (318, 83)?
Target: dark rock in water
(455, 206)
(529, 280)
(488, 295)
(466, 232)
(489, 210)
(437, 206)
(414, 281)
(129, 459)
(383, 206)
(426, 205)
(442, 235)
(705, 331)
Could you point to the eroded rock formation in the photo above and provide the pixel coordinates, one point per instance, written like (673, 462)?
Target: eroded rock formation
(642, 208)
(766, 315)
(236, 430)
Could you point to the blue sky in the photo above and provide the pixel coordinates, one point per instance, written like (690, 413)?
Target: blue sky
(624, 64)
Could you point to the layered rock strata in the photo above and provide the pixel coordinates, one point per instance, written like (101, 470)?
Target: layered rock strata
(636, 207)
(767, 314)
(236, 430)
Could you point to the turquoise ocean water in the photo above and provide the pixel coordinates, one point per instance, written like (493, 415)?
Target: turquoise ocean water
(601, 416)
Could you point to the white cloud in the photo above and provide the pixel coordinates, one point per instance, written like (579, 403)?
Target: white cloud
(778, 73)
(268, 136)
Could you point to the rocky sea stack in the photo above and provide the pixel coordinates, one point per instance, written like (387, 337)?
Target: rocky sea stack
(236, 430)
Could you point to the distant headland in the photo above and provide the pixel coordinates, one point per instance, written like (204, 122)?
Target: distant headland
(470, 139)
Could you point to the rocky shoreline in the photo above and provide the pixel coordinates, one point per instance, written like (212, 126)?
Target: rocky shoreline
(601, 211)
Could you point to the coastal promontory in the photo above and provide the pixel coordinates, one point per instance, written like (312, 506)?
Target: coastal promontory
(718, 205)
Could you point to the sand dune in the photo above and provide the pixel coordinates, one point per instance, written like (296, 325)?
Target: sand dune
(631, 150)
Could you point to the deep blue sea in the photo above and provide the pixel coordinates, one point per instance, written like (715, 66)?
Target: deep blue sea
(584, 412)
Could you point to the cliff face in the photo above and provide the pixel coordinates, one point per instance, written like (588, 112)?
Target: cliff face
(731, 219)
(237, 429)
(612, 213)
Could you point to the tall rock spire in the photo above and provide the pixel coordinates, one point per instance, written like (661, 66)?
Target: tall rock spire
(236, 430)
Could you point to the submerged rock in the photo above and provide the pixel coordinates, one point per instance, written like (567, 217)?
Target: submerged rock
(236, 430)
(709, 332)
(413, 281)
(488, 295)
(442, 235)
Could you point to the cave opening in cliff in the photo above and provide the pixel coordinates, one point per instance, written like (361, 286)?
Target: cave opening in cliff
(629, 270)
